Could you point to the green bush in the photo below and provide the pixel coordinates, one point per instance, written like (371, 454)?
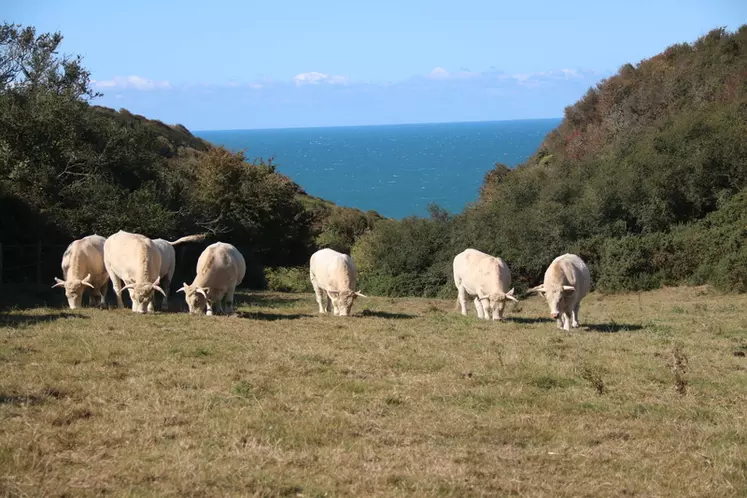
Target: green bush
(288, 279)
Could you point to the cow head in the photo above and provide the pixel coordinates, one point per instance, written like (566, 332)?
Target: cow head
(142, 294)
(196, 297)
(497, 302)
(343, 300)
(74, 289)
(555, 295)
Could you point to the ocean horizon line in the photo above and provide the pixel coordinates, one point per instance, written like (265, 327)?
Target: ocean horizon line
(290, 128)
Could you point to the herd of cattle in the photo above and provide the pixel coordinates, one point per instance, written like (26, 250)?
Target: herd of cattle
(143, 266)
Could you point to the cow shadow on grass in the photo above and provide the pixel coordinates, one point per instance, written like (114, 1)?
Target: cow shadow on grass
(271, 317)
(266, 300)
(529, 320)
(22, 320)
(611, 328)
(386, 314)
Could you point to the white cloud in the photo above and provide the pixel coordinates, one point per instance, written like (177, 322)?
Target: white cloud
(314, 78)
(438, 73)
(131, 82)
(570, 73)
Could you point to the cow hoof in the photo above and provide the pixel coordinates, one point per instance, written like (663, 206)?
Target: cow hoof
(209, 313)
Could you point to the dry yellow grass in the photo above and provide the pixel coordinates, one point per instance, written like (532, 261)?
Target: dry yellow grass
(405, 398)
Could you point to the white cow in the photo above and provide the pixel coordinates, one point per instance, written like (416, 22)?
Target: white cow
(168, 262)
(567, 281)
(487, 278)
(333, 276)
(220, 268)
(83, 266)
(135, 260)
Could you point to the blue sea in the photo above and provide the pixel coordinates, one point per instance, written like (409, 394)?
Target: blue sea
(396, 170)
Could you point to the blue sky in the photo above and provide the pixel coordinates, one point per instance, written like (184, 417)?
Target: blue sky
(231, 64)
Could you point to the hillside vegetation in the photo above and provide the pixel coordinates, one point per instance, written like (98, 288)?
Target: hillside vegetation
(70, 169)
(644, 178)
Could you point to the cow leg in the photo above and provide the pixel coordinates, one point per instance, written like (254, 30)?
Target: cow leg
(165, 284)
(117, 286)
(559, 321)
(327, 303)
(102, 292)
(463, 299)
(567, 321)
(208, 307)
(574, 316)
(229, 300)
(321, 297)
(94, 297)
(498, 311)
(486, 308)
(478, 307)
(134, 304)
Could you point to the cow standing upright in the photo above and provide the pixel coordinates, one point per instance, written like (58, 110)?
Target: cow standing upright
(220, 269)
(567, 281)
(486, 277)
(168, 262)
(135, 260)
(333, 276)
(82, 267)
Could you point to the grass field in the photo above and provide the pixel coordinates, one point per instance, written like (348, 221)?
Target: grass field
(405, 398)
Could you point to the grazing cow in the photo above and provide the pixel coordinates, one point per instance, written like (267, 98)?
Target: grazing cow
(567, 281)
(333, 276)
(220, 268)
(83, 266)
(487, 278)
(168, 262)
(135, 260)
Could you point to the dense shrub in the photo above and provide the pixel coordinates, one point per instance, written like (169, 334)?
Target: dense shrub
(288, 279)
(400, 258)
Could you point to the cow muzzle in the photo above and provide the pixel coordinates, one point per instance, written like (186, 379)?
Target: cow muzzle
(555, 315)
